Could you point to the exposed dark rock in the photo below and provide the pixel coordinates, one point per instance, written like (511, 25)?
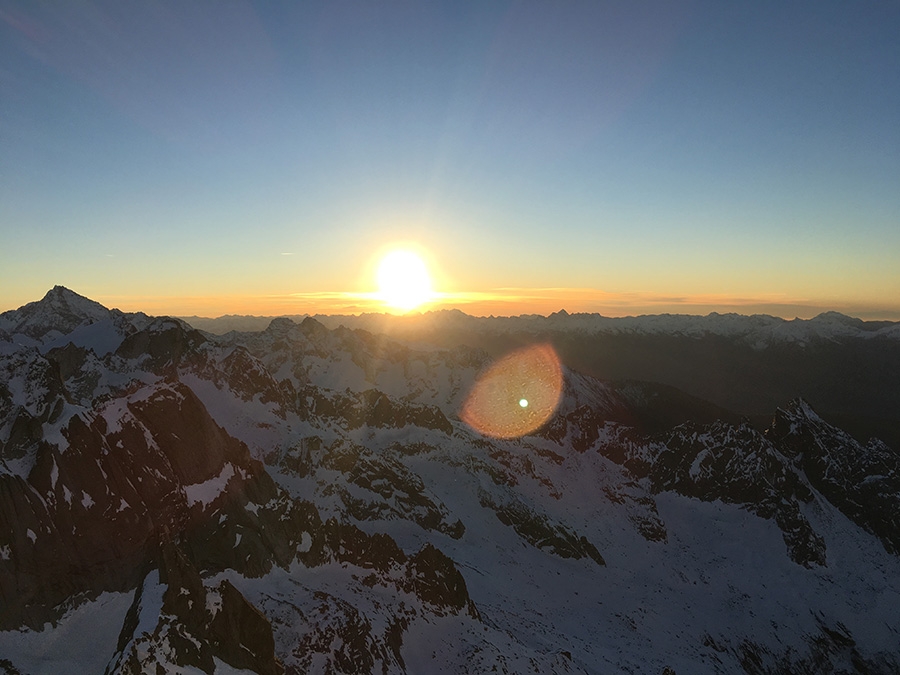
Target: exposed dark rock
(641, 509)
(192, 625)
(437, 581)
(539, 531)
(863, 481)
(347, 543)
(7, 667)
(392, 491)
(333, 636)
(24, 433)
(107, 458)
(241, 635)
(738, 465)
(86, 518)
(830, 649)
(579, 428)
(370, 408)
(162, 345)
(244, 375)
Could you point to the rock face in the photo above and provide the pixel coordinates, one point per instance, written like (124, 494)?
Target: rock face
(370, 408)
(738, 465)
(863, 481)
(149, 464)
(308, 500)
(175, 622)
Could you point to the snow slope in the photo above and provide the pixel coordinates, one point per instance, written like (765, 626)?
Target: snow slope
(319, 485)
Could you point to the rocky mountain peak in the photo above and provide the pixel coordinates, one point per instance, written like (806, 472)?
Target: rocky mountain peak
(280, 325)
(176, 622)
(64, 298)
(861, 480)
(311, 327)
(164, 342)
(60, 310)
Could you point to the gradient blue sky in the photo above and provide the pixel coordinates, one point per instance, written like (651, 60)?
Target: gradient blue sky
(231, 157)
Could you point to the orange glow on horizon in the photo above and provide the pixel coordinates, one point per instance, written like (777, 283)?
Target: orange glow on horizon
(497, 302)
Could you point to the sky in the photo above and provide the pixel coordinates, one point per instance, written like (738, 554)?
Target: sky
(620, 157)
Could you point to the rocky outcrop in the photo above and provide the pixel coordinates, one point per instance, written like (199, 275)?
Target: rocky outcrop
(40, 397)
(242, 374)
(176, 621)
(370, 408)
(143, 466)
(162, 345)
(863, 481)
(540, 531)
(370, 485)
(434, 578)
(737, 465)
(578, 428)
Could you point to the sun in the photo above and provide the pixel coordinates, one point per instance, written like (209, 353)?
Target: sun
(403, 280)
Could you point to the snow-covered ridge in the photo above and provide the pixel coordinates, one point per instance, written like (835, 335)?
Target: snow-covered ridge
(316, 488)
(62, 311)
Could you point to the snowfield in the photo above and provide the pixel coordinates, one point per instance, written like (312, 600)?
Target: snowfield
(306, 499)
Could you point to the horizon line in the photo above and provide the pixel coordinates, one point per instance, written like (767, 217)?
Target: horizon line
(505, 302)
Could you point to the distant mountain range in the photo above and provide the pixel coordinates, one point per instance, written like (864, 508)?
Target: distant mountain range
(759, 330)
(305, 498)
(846, 368)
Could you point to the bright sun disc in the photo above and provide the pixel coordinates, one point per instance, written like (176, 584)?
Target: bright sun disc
(403, 280)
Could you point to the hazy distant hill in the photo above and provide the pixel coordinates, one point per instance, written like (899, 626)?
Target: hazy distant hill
(308, 499)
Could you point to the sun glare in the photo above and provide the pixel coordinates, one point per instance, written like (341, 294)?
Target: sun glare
(403, 280)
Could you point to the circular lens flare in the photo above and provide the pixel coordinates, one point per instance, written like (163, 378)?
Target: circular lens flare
(515, 395)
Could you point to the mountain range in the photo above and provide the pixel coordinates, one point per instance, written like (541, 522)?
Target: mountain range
(307, 498)
(846, 368)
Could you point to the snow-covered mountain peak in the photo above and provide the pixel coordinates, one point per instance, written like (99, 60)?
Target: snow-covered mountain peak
(309, 492)
(60, 310)
(64, 299)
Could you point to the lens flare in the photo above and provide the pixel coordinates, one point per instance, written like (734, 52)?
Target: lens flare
(515, 395)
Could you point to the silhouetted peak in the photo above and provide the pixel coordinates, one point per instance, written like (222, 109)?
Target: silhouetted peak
(281, 324)
(837, 317)
(311, 326)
